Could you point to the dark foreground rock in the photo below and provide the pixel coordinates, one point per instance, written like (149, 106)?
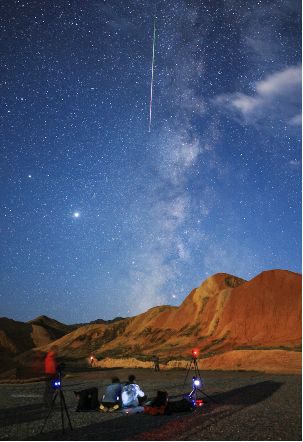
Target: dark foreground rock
(250, 406)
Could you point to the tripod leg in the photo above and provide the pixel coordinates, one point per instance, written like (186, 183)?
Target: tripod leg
(187, 373)
(49, 411)
(197, 370)
(191, 393)
(62, 415)
(64, 403)
(208, 396)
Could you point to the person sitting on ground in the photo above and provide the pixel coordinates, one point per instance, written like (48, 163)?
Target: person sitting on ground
(112, 398)
(88, 399)
(132, 396)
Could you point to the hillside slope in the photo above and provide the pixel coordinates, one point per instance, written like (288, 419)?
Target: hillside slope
(18, 337)
(224, 313)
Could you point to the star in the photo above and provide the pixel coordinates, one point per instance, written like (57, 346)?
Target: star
(215, 187)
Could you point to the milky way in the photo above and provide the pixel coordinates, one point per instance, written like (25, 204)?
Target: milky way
(102, 218)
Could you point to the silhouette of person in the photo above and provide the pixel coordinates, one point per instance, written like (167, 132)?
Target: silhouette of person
(50, 365)
(156, 362)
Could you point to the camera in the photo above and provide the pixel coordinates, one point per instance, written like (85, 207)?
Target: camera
(60, 367)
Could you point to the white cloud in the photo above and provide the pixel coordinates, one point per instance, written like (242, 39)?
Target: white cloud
(295, 164)
(246, 105)
(278, 97)
(296, 120)
(281, 83)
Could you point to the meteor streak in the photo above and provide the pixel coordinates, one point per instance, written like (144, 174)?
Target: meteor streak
(152, 77)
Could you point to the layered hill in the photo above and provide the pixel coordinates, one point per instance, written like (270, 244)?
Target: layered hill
(18, 337)
(224, 315)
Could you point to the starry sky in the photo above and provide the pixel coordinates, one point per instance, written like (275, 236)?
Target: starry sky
(100, 217)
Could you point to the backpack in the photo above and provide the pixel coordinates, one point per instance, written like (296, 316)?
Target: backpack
(179, 406)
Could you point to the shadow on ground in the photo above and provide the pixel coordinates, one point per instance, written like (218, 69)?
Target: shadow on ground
(248, 395)
(21, 414)
(146, 427)
(211, 413)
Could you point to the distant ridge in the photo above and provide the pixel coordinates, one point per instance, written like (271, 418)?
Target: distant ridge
(55, 328)
(17, 337)
(97, 321)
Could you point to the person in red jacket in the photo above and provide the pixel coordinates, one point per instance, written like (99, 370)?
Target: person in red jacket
(51, 363)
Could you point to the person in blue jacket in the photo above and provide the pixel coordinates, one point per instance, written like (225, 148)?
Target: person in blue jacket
(113, 398)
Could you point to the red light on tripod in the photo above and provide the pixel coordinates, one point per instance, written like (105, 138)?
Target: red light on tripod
(91, 358)
(199, 403)
(195, 353)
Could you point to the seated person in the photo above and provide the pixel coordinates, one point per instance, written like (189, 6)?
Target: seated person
(132, 396)
(112, 399)
(88, 399)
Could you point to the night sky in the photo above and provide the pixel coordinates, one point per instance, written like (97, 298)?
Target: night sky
(102, 218)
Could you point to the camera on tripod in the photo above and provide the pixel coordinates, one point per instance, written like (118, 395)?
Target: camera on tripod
(57, 385)
(60, 367)
(197, 383)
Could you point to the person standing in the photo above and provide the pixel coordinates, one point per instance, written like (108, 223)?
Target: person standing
(156, 362)
(50, 364)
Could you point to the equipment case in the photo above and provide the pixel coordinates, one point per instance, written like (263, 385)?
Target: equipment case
(157, 406)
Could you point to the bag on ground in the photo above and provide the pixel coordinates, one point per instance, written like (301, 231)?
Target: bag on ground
(157, 405)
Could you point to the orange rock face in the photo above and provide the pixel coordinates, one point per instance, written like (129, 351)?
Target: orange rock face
(266, 311)
(223, 315)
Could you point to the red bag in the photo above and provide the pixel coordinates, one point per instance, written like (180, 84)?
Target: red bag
(157, 406)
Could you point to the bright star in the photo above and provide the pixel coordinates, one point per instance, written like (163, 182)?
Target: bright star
(76, 214)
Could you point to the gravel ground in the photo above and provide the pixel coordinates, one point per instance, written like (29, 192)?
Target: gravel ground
(250, 406)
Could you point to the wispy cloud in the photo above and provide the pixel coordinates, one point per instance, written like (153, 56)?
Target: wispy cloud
(295, 164)
(277, 97)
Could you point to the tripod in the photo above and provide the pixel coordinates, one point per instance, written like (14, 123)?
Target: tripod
(62, 404)
(196, 380)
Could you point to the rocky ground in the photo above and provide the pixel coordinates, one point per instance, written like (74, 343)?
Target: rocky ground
(250, 406)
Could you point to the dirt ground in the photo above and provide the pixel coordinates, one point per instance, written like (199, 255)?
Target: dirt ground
(149, 374)
(236, 406)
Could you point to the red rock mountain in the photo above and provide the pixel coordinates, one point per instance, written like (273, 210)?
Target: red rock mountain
(225, 313)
